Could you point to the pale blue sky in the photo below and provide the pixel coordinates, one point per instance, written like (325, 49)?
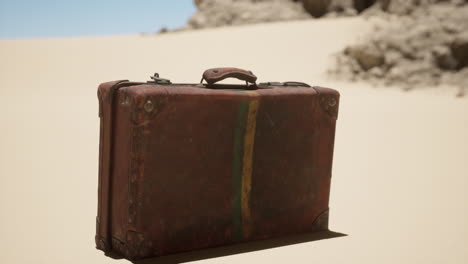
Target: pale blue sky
(64, 18)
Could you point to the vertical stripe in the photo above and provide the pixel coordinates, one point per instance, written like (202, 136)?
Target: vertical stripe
(244, 136)
(249, 140)
(237, 171)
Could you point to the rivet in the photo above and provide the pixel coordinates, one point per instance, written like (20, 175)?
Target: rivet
(148, 106)
(332, 102)
(215, 71)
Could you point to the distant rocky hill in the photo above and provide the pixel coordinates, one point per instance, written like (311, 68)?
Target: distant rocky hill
(216, 13)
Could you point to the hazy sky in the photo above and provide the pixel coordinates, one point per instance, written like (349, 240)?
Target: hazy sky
(63, 18)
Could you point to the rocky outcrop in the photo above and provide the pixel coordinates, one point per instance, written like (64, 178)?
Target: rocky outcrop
(217, 13)
(426, 47)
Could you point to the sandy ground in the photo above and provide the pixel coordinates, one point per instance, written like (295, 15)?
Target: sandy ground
(400, 179)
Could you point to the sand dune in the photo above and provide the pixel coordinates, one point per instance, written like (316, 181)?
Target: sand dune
(400, 171)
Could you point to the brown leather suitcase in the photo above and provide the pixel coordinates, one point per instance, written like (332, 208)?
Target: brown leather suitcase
(191, 166)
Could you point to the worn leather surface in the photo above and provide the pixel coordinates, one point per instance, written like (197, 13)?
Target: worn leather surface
(194, 167)
(214, 75)
(105, 94)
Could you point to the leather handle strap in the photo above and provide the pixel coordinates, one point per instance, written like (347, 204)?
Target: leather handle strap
(214, 75)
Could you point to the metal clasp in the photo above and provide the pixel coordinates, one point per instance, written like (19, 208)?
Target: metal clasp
(158, 80)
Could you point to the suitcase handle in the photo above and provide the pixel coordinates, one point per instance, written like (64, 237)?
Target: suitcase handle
(214, 75)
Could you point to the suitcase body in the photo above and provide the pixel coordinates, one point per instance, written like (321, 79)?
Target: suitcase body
(191, 166)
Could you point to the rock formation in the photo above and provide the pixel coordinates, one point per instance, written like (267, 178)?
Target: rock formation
(216, 13)
(422, 46)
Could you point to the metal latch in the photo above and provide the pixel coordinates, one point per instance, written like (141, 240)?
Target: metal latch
(287, 84)
(158, 80)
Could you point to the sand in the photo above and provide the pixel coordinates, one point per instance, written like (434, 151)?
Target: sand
(399, 178)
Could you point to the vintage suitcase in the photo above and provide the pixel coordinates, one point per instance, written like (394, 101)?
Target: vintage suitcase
(191, 166)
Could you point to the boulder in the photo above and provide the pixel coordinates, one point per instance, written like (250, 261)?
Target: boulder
(368, 56)
(316, 8)
(459, 49)
(443, 58)
(361, 5)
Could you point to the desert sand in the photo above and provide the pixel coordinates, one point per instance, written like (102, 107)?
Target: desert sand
(400, 174)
